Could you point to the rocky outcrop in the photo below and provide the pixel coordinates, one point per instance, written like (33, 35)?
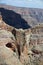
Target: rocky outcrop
(23, 45)
(8, 49)
(31, 48)
(20, 46)
(22, 38)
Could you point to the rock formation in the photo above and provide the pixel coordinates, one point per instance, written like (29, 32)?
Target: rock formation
(20, 46)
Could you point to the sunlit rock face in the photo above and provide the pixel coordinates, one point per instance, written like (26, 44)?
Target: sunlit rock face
(8, 57)
(18, 40)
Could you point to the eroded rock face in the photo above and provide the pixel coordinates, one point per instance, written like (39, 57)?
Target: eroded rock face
(30, 52)
(19, 46)
(22, 38)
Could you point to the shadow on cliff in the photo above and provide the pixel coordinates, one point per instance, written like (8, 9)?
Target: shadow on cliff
(14, 19)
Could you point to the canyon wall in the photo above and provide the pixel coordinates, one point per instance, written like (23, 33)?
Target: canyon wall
(23, 17)
(21, 40)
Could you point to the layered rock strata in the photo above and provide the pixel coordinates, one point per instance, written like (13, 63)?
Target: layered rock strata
(19, 46)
